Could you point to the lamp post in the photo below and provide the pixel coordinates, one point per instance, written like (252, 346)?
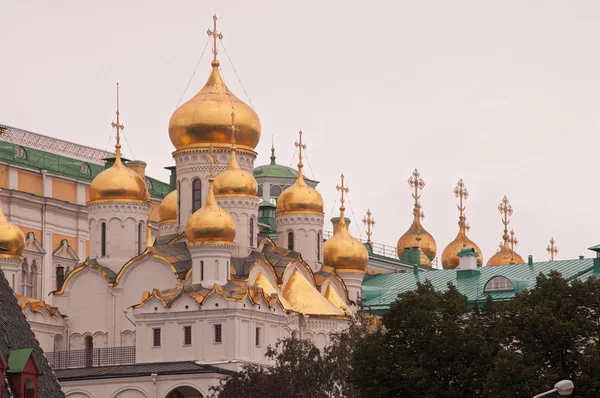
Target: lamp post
(563, 387)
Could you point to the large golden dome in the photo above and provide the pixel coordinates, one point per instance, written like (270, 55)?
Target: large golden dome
(450, 259)
(167, 211)
(206, 118)
(12, 239)
(118, 183)
(210, 224)
(505, 256)
(300, 198)
(417, 236)
(235, 181)
(342, 251)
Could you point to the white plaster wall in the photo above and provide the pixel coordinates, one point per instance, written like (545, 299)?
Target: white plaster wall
(216, 259)
(242, 209)
(305, 228)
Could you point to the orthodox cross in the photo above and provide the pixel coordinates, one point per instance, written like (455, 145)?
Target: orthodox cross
(343, 189)
(300, 147)
(118, 126)
(460, 191)
(552, 249)
(416, 182)
(211, 161)
(506, 211)
(233, 128)
(369, 222)
(513, 242)
(215, 35)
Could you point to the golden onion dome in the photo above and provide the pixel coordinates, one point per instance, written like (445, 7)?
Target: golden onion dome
(300, 198)
(235, 181)
(342, 251)
(505, 256)
(167, 211)
(450, 259)
(205, 119)
(118, 183)
(417, 236)
(210, 224)
(12, 239)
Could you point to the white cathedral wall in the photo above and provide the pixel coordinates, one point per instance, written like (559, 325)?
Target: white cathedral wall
(242, 209)
(305, 228)
(46, 327)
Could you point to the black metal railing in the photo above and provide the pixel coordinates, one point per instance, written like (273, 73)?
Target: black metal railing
(91, 357)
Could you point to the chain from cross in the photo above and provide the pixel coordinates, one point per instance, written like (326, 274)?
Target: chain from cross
(343, 189)
(369, 222)
(300, 146)
(215, 35)
(117, 125)
(233, 129)
(211, 161)
(552, 249)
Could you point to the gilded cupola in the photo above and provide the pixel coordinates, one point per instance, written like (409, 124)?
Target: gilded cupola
(300, 197)
(233, 181)
(12, 239)
(506, 253)
(167, 212)
(205, 118)
(450, 259)
(342, 251)
(118, 183)
(416, 234)
(211, 224)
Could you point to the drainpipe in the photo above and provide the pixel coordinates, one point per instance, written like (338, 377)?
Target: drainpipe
(154, 376)
(114, 315)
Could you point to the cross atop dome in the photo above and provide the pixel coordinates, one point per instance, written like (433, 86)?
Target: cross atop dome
(215, 35)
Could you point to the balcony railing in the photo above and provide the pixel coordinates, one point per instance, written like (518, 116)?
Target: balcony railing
(91, 357)
(378, 248)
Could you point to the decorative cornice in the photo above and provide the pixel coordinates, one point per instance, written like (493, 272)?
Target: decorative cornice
(201, 148)
(299, 218)
(243, 201)
(119, 206)
(212, 244)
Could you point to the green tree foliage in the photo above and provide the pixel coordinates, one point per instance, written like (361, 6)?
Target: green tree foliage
(433, 345)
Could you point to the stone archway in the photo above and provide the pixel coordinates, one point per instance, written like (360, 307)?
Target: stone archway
(184, 392)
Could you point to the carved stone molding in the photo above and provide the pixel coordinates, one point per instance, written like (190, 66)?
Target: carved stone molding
(246, 202)
(118, 207)
(299, 218)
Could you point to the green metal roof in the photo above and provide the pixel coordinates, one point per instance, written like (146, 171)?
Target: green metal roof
(65, 166)
(276, 170)
(382, 290)
(17, 359)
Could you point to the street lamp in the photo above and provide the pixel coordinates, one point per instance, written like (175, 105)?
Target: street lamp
(563, 387)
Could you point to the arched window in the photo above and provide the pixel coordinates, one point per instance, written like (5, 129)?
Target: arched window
(290, 241)
(24, 277)
(498, 283)
(275, 191)
(196, 194)
(20, 153)
(178, 203)
(201, 270)
(251, 232)
(89, 351)
(260, 191)
(319, 246)
(140, 238)
(103, 239)
(33, 278)
(84, 169)
(29, 389)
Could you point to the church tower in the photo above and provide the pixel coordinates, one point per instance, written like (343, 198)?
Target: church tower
(12, 243)
(118, 211)
(299, 218)
(203, 121)
(346, 255)
(211, 233)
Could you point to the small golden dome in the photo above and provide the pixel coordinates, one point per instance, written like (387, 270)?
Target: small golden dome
(417, 236)
(168, 208)
(118, 183)
(235, 181)
(205, 119)
(342, 251)
(300, 198)
(12, 239)
(505, 256)
(450, 259)
(210, 224)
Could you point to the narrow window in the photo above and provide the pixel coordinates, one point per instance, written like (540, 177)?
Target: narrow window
(103, 239)
(218, 333)
(29, 389)
(140, 238)
(257, 337)
(187, 335)
(290, 241)
(201, 270)
(156, 337)
(318, 246)
(252, 232)
(178, 204)
(89, 351)
(196, 195)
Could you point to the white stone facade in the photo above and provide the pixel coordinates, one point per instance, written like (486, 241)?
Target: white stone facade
(303, 232)
(244, 210)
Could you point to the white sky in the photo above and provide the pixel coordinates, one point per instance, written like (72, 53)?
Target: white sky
(503, 94)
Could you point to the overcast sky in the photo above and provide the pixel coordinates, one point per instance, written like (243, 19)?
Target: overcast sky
(503, 94)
